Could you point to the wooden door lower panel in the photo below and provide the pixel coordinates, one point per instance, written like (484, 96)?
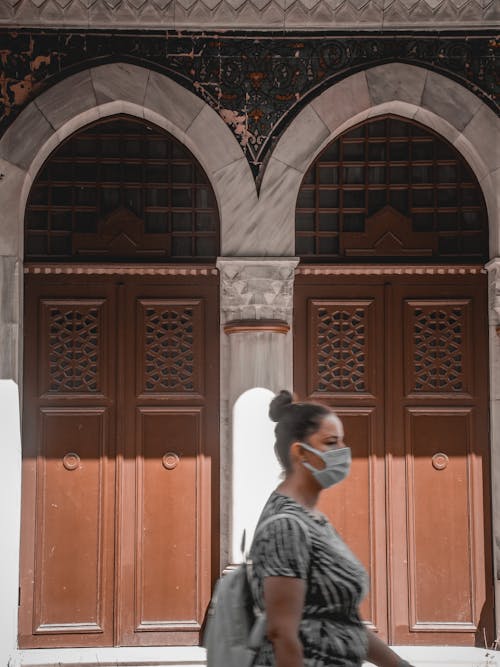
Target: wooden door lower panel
(67, 540)
(169, 564)
(441, 583)
(441, 550)
(72, 522)
(168, 484)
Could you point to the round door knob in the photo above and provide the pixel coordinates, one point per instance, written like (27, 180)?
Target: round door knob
(71, 461)
(440, 461)
(170, 460)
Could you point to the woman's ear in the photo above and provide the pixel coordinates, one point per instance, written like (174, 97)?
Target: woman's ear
(296, 453)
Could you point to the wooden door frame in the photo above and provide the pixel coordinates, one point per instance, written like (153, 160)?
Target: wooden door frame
(97, 274)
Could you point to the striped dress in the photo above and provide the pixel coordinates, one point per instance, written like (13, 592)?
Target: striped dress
(331, 631)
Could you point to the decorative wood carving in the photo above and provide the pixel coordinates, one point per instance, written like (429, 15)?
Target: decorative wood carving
(171, 352)
(388, 270)
(120, 236)
(73, 331)
(119, 269)
(341, 347)
(388, 233)
(437, 341)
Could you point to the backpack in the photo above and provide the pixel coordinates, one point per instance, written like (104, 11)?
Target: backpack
(235, 626)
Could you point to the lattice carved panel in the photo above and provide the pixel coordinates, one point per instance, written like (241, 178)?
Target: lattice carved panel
(339, 345)
(437, 336)
(73, 330)
(172, 354)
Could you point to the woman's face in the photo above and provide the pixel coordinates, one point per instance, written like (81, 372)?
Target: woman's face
(330, 435)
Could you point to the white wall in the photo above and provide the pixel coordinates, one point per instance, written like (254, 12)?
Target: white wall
(10, 503)
(256, 471)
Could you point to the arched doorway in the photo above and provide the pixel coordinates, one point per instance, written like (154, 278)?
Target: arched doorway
(391, 330)
(120, 485)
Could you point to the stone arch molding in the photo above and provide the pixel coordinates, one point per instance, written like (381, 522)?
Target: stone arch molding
(435, 101)
(105, 90)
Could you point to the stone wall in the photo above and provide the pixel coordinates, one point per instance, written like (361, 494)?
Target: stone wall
(273, 15)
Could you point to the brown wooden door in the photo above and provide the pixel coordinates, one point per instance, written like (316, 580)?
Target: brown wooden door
(403, 360)
(120, 460)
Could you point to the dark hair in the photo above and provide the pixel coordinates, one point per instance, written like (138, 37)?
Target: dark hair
(296, 421)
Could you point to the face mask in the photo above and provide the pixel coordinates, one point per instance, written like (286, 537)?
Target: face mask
(337, 465)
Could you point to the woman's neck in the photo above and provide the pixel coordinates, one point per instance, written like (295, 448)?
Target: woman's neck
(300, 490)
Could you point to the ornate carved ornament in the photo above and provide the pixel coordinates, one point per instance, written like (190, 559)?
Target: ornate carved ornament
(256, 289)
(389, 234)
(256, 82)
(121, 235)
(387, 270)
(120, 269)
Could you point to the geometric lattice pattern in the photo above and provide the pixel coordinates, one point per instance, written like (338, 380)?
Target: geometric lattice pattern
(341, 348)
(438, 354)
(74, 334)
(169, 349)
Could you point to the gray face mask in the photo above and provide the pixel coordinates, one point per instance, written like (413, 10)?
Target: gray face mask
(337, 465)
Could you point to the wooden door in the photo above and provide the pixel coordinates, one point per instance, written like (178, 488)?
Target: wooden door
(403, 360)
(120, 460)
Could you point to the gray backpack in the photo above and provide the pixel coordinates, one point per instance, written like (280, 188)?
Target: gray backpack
(235, 626)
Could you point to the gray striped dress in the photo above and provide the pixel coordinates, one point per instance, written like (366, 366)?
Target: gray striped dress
(331, 631)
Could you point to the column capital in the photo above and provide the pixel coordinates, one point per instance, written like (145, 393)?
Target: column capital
(255, 288)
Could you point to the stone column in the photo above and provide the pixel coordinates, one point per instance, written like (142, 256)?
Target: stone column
(493, 268)
(10, 291)
(256, 352)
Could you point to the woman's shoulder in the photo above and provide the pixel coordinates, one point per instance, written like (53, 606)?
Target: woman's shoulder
(282, 514)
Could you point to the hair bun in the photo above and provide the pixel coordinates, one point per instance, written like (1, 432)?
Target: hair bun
(279, 404)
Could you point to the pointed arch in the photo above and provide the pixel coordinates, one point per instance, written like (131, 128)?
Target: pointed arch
(433, 100)
(122, 88)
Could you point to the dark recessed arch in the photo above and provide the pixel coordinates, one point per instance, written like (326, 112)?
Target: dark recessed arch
(391, 189)
(121, 189)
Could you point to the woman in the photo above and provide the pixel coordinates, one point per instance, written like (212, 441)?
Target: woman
(302, 573)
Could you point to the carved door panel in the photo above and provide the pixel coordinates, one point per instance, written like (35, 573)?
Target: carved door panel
(339, 361)
(405, 365)
(170, 429)
(439, 468)
(120, 460)
(67, 554)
